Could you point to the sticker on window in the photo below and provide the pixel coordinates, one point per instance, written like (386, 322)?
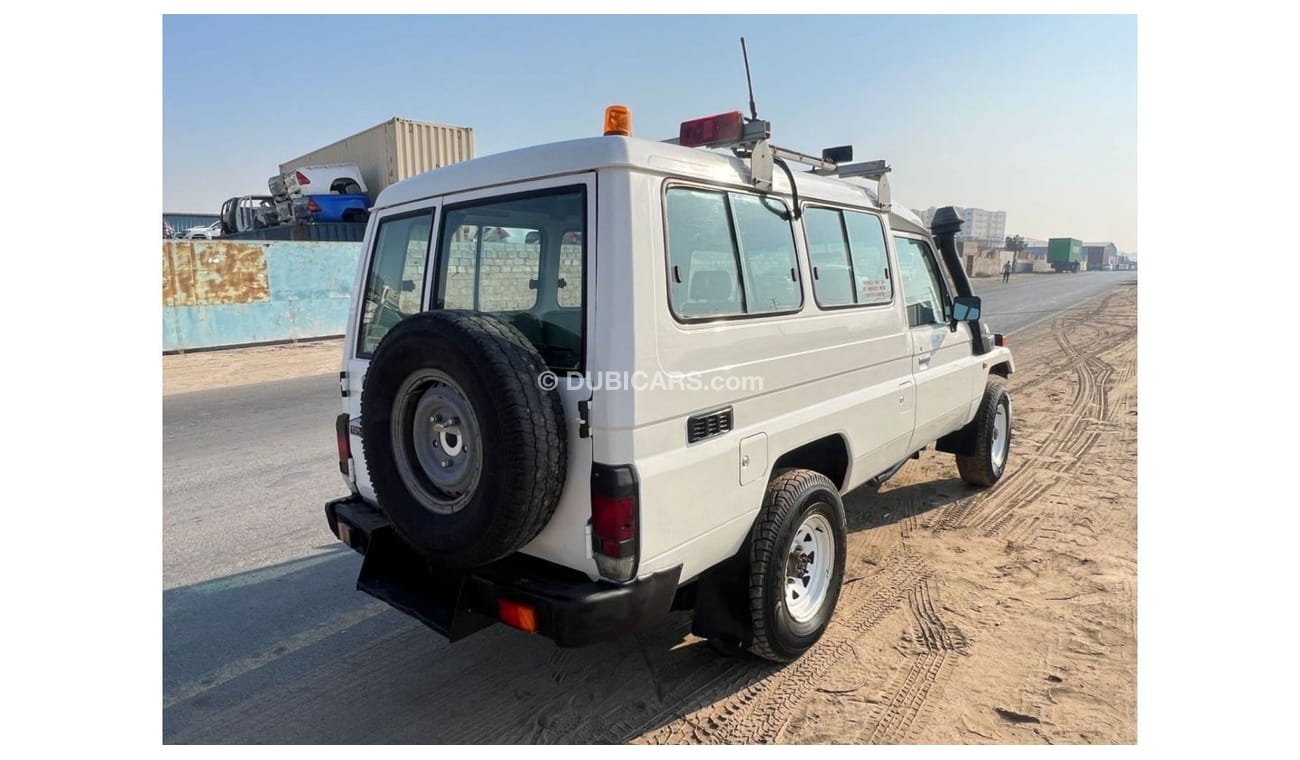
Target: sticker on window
(874, 290)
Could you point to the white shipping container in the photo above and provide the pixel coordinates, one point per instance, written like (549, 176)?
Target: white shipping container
(392, 151)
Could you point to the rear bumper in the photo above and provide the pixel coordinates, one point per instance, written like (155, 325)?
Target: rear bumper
(569, 608)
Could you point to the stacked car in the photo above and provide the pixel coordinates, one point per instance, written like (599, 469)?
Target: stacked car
(324, 193)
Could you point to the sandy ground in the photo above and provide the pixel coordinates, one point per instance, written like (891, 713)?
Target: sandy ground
(204, 370)
(1002, 616)
(1005, 615)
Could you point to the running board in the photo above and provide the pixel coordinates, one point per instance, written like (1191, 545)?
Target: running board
(880, 479)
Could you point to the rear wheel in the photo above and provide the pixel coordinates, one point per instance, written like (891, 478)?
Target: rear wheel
(797, 555)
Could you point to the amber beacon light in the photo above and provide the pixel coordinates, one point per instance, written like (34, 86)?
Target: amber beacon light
(618, 121)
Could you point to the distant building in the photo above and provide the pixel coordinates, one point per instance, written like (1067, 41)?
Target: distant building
(978, 224)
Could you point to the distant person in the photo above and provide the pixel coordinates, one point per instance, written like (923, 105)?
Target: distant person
(1006, 273)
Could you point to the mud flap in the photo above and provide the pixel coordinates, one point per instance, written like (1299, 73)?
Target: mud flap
(394, 573)
(959, 441)
(722, 601)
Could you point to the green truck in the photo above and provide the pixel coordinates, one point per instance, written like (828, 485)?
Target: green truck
(1065, 254)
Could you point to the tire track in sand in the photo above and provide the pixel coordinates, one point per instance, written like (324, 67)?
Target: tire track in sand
(757, 713)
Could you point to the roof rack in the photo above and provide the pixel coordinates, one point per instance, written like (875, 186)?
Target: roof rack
(748, 138)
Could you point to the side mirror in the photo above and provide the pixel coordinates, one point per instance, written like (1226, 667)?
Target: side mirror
(965, 309)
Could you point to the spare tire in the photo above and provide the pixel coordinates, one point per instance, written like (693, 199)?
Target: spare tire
(466, 451)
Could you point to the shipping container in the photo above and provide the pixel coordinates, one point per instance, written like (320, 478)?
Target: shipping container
(1101, 256)
(392, 151)
(1065, 254)
(1096, 257)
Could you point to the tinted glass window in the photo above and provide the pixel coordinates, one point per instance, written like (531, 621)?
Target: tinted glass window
(919, 275)
(395, 282)
(520, 258)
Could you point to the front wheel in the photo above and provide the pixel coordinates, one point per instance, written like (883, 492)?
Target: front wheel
(992, 423)
(797, 555)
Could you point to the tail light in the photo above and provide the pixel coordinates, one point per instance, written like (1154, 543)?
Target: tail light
(344, 442)
(614, 521)
(313, 206)
(302, 178)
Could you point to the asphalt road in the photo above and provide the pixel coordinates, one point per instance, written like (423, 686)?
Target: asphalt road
(264, 638)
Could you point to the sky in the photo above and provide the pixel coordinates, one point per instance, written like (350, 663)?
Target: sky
(1033, 115)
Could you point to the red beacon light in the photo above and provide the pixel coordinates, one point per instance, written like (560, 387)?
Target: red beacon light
(720, 129)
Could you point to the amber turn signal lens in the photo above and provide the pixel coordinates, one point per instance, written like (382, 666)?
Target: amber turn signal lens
(618, 121)
(517, 615)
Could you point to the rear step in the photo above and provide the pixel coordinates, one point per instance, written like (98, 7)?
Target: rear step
(521, 591)
(393, 572)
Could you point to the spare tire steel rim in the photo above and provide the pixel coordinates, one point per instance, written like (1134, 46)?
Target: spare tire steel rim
(437, 445)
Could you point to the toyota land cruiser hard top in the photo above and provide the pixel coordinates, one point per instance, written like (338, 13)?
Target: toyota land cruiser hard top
(590, 382)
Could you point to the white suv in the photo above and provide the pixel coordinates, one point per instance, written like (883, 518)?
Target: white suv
(590, 382)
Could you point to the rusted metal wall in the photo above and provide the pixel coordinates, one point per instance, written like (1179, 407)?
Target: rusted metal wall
(392, 151)
(228, 293)
(209, 273)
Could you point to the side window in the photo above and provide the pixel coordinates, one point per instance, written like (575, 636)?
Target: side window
(919, 274)
(849, 258)
(870, 257)
(704, 280)
(395, 282)
(829, 254)
(729, 254)
(767, 254)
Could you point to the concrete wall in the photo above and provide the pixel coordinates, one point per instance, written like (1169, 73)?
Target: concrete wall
(983, 261)
(507, 270)
(234, 292)
(227, 293)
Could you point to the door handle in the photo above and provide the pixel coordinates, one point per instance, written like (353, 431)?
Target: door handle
(923, 360)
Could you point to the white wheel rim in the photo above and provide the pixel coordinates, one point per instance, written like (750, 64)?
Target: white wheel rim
(1001, 436)
(809, 565)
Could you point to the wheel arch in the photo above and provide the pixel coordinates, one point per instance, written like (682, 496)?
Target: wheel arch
(828, 455)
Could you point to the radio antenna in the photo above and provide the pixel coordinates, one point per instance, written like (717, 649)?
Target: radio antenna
(753, 110)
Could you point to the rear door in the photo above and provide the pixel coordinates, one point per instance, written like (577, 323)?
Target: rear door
(394, 284)
(523, 253)
(941, 355)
